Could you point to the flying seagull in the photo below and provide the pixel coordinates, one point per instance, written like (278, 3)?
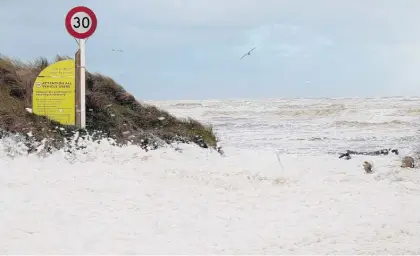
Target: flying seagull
(116, 50)
(248, 53)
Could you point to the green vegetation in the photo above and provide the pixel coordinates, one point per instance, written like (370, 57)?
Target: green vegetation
(109, 109)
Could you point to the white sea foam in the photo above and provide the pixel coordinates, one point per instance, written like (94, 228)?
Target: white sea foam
(307, 201)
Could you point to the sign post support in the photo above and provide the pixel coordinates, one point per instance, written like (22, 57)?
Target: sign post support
(82, 46)
(81, 23)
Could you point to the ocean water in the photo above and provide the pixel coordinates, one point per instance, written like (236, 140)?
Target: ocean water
(309, 126)
(279, 189)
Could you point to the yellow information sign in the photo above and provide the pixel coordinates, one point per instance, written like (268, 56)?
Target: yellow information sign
(54, 92)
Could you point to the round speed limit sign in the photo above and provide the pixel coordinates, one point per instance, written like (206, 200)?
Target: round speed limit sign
(81, 22)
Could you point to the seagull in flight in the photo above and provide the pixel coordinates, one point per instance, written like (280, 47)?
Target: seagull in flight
(248, 53)
(116, 50)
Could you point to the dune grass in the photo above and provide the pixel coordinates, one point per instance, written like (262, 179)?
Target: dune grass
(110, 109)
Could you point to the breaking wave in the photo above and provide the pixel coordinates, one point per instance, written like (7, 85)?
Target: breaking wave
(388, 124)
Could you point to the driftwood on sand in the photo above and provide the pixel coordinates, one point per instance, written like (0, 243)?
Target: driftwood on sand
(386, 151)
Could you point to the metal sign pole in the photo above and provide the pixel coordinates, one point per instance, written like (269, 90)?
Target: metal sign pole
(82, 70)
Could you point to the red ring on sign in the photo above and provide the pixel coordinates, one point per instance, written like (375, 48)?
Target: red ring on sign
(70, 28)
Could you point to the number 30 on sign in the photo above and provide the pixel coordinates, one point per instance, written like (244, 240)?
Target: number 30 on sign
(81, 22)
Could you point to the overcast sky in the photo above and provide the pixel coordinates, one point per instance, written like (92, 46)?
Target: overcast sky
(191, 49)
